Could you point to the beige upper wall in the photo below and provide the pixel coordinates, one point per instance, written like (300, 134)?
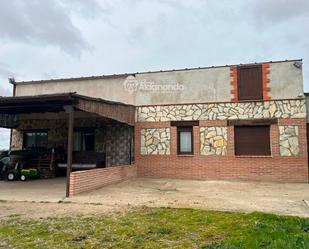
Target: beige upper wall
(199, 85)
(204, 85)
(109, 89)
(286, 80)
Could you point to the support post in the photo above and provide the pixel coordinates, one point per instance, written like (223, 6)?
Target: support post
(70, 110)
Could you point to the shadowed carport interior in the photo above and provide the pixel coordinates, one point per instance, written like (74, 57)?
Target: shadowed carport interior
(71, 103)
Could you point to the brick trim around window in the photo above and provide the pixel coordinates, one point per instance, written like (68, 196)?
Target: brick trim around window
(234, 91)
(265, 81)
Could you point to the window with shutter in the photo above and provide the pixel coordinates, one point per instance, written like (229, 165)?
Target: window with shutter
(252, 140)
(250, 86)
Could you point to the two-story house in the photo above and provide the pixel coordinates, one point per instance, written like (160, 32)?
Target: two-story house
(226, 122)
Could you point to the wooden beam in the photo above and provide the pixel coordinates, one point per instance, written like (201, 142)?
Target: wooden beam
(70, 110)
(253, 122)
(184, 123)
(120, 112)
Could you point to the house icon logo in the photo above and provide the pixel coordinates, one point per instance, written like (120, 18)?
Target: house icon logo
(131, 84)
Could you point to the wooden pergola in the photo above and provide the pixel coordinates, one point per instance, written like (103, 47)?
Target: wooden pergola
(10, 107)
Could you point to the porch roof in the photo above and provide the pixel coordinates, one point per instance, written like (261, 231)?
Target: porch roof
(11, 106)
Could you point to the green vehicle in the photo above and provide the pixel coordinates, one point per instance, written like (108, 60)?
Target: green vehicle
(29, 174)
(14, 173)
(18, 172)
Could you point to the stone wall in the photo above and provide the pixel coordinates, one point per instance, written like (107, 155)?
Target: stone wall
(57, 131)
(213, 141)
(289, 144)
(229, 167)
(155, 141)
(223, 111)
(118, 142)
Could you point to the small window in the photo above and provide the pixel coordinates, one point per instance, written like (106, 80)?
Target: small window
(250, 86)
(184, 140)
(34, 139)
(83, 140)
(252, 140)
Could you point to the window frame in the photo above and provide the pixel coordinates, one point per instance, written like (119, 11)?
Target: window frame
(236, 150)
(259, 68)
(84, 130)
(34, 131)
(184, 129)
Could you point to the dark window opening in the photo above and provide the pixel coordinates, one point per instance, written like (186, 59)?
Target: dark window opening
(184, 140)
(35, 139)
(252, 140)
(250, 86)
(83, 140)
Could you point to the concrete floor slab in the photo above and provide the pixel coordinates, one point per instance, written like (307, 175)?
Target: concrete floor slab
(43, 190)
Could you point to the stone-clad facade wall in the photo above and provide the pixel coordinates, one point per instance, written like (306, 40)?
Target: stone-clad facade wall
(289, 144)
(229, 167)
(213, 141)
(56, 135)
(214, 146)
(118, 140)
(223, 111)
(155, 141)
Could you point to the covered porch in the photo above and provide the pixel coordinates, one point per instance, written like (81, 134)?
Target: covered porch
(61, 133)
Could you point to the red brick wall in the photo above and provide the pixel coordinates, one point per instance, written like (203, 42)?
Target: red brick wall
(265, 81)
(87, 180)
(273, 168)
(234, 91)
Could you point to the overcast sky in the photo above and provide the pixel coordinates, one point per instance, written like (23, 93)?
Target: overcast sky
(66, 38)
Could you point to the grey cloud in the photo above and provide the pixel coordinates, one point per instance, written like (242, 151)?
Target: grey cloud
(5, 91)
(5, 73)
(277, 11)
(40, 23)
(87, 9)
(4, 138)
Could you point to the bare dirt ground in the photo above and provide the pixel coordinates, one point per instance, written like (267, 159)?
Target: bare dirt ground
(38, 210)
(279, 198)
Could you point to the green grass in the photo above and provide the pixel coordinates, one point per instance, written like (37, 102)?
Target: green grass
(158, 228)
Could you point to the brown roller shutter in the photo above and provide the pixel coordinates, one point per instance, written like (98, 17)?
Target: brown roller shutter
(249, 80)
(252, 140)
